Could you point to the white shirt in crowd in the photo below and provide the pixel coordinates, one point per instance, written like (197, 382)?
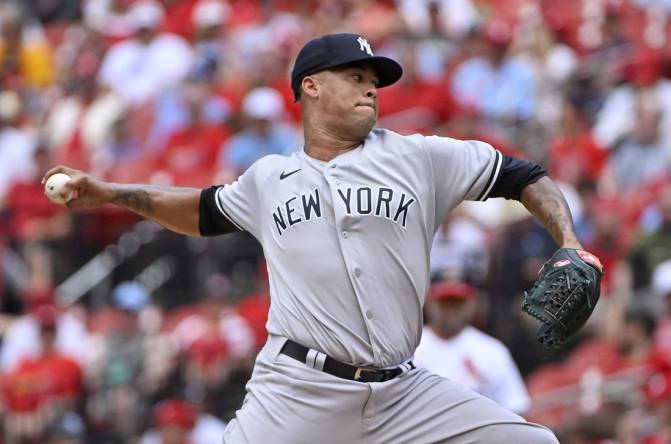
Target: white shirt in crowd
(478, 362)
(138, 72)
(22, 340)
(16, 157)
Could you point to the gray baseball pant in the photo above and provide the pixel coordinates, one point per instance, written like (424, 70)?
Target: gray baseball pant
(288, 402)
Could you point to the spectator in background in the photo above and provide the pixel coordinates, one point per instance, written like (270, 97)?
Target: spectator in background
(414, 104)
(435, 49)
(461, 243)
(42, 385)
(216, 317)
(22, 338)
(643, 81)
(119, 371)
(631, 345)
(26, 58)
(207, 363)
(657, 392)
(661, 291)
(643, 155)
(120, 151)
(553, 62)
(522, 249)
(173, 420)
(452, 348)
(651, 249)
(192, 103)
(454, 17)
(208, 428)
(499, 85)
(607, 236)
(606, 37)
(34, 224)
(191, 151)
(16, 144)
(135, 68)
(81, 116)
(635, 340)
(574, 154)
(264, 131)
(208, 18)
(109, 18)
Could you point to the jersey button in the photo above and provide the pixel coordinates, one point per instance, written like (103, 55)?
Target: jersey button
(333, 165)
(357, 272)
(337, 182)
(345, 234)
(369, 314)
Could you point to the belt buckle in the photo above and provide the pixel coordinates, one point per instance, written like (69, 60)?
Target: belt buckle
(360, 370)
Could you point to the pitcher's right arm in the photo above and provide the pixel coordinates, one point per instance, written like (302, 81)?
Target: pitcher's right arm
(177, 208)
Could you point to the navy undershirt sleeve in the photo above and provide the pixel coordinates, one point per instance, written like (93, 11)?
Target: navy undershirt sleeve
(211, 221)
(515, 175)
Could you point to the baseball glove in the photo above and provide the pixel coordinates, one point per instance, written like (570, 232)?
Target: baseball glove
(564, 296)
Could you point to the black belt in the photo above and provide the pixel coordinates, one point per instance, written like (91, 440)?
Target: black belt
(340, 369)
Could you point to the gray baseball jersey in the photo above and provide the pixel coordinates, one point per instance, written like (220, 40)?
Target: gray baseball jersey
(347, 241)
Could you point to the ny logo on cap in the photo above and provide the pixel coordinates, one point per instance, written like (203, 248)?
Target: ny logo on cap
(364, 45)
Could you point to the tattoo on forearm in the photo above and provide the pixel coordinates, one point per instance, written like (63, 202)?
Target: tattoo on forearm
(544, 200)
(135, 199)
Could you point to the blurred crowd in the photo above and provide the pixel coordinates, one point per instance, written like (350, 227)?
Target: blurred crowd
(113, 332)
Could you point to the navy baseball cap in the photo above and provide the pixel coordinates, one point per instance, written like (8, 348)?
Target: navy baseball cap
(332, 50)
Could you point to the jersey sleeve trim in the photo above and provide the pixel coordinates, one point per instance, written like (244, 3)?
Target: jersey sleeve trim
(220, 206)
(492, 177)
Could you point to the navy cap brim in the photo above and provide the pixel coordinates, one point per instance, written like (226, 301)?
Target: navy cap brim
(388, 71)
(336, 50)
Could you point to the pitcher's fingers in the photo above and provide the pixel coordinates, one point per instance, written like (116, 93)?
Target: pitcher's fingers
(58, 169)
(75, 201)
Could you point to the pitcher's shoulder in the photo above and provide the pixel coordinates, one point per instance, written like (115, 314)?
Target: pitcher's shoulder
(392, 141)
(273, 163)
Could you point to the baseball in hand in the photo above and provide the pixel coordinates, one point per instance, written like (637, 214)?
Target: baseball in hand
(54, 187)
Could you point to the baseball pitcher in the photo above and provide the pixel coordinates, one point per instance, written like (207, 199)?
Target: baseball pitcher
(346, 225)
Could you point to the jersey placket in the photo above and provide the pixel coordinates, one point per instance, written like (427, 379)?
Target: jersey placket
(335, 178)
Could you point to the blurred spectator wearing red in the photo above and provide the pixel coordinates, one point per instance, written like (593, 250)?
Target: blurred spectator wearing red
(31, 217)
(21, 340)
(608, 237)
(41, 386)
(173, 420)
(414, 104)
(574, 154)
(214, 325)
(191, 152)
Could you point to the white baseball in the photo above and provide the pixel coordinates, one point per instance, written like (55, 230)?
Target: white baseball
(54, 186)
